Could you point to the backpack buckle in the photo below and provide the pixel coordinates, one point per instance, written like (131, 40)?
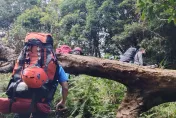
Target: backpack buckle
(27, 61)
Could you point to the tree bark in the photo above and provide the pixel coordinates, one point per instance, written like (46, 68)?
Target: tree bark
(7, 58)
(8, 67)
(146, 87)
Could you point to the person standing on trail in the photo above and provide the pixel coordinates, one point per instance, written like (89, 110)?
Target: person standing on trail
(138, 59)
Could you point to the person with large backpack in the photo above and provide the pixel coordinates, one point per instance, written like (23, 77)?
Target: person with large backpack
(129, 54)
(35, 78)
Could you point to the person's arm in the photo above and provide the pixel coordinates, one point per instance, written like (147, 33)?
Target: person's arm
(64, 93)
(63, 80)
(140, 59)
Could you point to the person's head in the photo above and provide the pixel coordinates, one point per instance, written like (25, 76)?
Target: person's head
(77, 51)
(137, 47)
(142, 50)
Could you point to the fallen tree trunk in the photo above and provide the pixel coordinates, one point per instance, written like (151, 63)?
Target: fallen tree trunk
(146, 87)
(8, 67)
(7, 58)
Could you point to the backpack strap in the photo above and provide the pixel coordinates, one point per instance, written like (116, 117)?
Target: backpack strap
(33, 102)
(42, 57)
(26, 55)
(21, 58)
(55, 58)
(12, 100)
(21, 61)
(53, 86)
(40, 53)
(48, 58)
(49, 54)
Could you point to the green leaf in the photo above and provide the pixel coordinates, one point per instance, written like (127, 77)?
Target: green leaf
(171, 1)
(170, 19)
(143, 15)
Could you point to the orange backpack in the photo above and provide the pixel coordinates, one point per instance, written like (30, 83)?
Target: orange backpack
(34, 76)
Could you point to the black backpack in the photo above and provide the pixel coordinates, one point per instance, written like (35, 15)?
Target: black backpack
(128, 56)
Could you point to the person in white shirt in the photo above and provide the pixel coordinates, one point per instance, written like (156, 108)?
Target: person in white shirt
(138, 59)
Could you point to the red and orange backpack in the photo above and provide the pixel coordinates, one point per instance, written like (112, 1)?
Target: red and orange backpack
(34, 76)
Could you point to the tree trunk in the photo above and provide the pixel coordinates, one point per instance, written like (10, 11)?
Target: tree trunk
(146, 87)
(130, 106)
(7, 57)
(7, 67)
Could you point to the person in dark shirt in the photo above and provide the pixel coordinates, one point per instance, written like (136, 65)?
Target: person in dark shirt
(128, 56)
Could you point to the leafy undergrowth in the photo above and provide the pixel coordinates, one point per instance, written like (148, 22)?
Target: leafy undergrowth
(91, 97)
(4, 80)
(166, 110)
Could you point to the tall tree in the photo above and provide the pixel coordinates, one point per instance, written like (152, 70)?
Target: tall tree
(10, 9)
(157, 9)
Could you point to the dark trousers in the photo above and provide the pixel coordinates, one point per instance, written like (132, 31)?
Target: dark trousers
(35, 115)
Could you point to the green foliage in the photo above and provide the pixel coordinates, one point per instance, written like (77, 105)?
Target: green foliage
(10, 9)
(106, 26)
(157, 9)
(4, 80)
(30, 19)
(93, 97)
(166, 110)
(86, 22)
(36, 19)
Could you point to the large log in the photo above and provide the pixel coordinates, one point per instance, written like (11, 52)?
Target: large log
(8, 67)
(7, 58)
(146, 87)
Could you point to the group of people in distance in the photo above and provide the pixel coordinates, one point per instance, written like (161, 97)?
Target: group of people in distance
(135, 55)
(65, 49)
(131, 55)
